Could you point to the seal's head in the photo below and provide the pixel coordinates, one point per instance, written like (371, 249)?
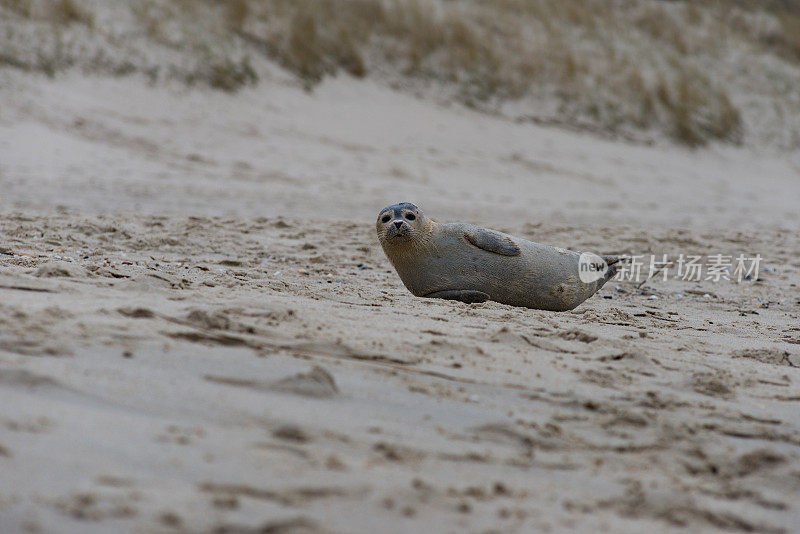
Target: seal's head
(401, 224)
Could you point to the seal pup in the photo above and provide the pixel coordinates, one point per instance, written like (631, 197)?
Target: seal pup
(459, 261)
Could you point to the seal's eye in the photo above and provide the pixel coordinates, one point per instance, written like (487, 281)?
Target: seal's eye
(385, 219)
(410, 216)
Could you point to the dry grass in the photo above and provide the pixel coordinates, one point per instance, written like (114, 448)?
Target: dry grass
(57, 11)
(623, 67)
(68, 12)
(492, 52)
(229, 75)
(697, 113)
(23, 8)
(787, 40)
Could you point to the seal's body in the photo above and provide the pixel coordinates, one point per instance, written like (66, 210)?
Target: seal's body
(464, 262)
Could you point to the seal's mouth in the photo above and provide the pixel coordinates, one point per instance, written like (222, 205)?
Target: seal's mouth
(393, 232)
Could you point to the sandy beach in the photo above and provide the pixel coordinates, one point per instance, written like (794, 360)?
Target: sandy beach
(199, 331)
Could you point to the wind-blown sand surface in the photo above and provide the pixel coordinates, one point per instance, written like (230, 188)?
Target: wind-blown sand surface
(200, 333)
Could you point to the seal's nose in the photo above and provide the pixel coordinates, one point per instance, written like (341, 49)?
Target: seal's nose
(398, 224)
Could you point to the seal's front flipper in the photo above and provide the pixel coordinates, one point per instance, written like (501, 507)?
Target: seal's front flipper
(491, 241)
(464, 295)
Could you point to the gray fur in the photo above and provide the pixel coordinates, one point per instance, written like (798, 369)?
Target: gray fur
(463, 262)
